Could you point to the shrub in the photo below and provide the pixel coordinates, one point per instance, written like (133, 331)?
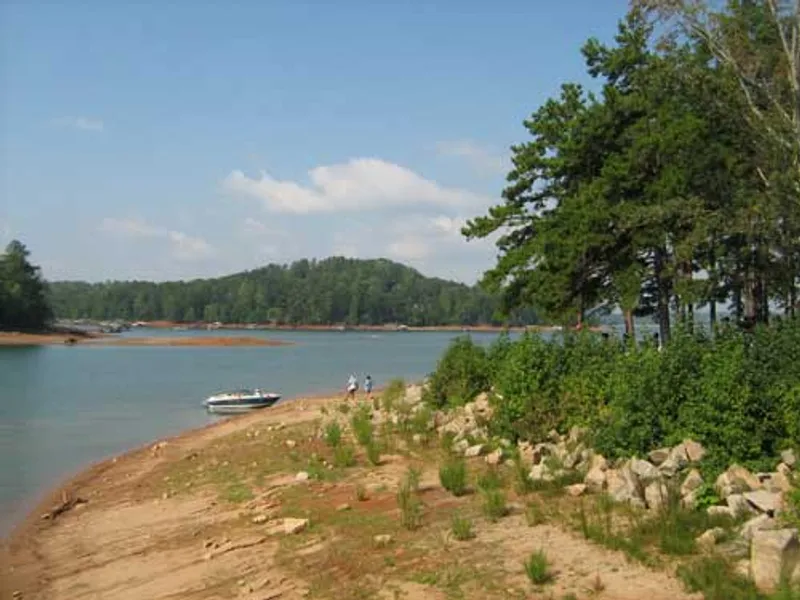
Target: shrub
(534, 514)
(394, 392)
(453, 476)
(408, 502)
(344, 456)
(462, 528)
(489, 479)
(523, 484)
(373, 453)
(537, 568)
(494, 504)
(333, 434)
(460, 375)
(361, 493)
(361, 422)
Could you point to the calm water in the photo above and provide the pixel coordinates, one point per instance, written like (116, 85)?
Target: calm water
(62, 408)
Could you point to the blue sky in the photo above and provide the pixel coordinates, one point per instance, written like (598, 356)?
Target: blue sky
(182, 139)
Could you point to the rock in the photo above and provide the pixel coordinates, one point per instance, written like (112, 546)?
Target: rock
(784, 469)
(474, 451)
(736, 480)
(292, 526)
(644, 470)
(260, 519)
(742, 568)
(553, 436)
(525, 452)
(417, 438)
(708, 539)
(460, 446)
(777, 482)
(301, 476)
(598, 461)
(759, 523)
(576, 489)
(774, 554)
(623, 486)
(291, 443)
(692, 482)
(572, 459)
(382, 540)
(540, 472)
(343, 507)
(739, 505)
(16, 594)
(577, 434)
(764, 501)
(789, 458)
(495, 458)
(595, 479)
(655, 495)
(720, 511)
(657, 457)
(676, 460)
(689, 501)
(694, 451)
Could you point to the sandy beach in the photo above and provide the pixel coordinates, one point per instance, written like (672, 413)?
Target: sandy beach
(259, 507)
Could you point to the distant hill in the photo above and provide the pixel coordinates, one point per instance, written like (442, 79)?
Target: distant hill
(307, 292)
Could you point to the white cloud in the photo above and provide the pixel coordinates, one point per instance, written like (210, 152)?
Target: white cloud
(476, 155)
(359, 184)
(183, 246)
(409, 248)
(82, 123)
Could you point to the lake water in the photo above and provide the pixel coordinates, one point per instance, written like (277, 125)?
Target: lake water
(62, 408)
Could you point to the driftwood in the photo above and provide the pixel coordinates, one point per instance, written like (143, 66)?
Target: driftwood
(67, 503)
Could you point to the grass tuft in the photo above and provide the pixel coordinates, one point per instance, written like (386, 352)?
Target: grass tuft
(537, 568)
(453, 476)
(462, 528)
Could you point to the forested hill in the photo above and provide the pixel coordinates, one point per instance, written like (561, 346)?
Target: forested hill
(331, 291)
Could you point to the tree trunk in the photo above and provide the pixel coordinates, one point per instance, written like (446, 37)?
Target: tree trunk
(663, 296)
(630, 330)
(712, 314)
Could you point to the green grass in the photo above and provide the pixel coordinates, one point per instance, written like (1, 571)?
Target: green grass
(333, 434)
(453, 476)
(344, 456)
(393, 393)
(361, 422)
(410, 507)
(523, 484)
(534, 514)
(237, 492)
(373, 453)
(361, 493)
(490, 479)
(462, 528)
(537, 568)
(494, 504)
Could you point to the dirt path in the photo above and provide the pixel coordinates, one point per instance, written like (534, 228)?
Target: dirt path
(199, 517)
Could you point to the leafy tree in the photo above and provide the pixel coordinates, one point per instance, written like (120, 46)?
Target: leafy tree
(23, 300)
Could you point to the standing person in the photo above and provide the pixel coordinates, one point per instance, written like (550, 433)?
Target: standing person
(368, 386)
(352, 386)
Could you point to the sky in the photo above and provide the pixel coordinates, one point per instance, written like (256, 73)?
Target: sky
(173, 140)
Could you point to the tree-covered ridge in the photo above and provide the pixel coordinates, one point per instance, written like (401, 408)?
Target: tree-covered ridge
(23, 300)
(309, 292)
(674, 187)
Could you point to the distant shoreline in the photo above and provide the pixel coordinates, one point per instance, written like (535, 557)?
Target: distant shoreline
(47, 339)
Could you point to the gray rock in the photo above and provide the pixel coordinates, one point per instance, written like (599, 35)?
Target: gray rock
(657, 457)
(709, 538)
(692, 482)
(577, 489)
(644, 470)
(739, 505)
(540, 472)
(494, 458)
(720, 511)
(789, 458)
(624, 486)
(656, 495)
(301, 476)
(475, 450)
(382, 540)
(736, 480)
(460, 446)
(694, 450)
(759, 523)
(291, 526)
(774, 554)
(777, 482)
(260, 519)
(595, 479)
(764, 501)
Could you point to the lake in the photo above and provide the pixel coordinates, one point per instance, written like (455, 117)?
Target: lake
(62, 408)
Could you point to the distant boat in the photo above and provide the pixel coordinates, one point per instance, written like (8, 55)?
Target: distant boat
(237, 401)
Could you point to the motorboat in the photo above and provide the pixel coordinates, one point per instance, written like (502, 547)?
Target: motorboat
(237, 401)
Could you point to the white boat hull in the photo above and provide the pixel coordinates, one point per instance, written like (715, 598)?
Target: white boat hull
(240, 402)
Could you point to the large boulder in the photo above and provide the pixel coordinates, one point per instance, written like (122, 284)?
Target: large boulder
(758, 523)
(645, 471)
(595, 478)
(676, 460)
(658, 456)
(770, 503)
(694, 451)
(624, 486)
(739, 505)
(774, 555)
(656, 495)
(788, 457)
(692, 482)
(736, 480)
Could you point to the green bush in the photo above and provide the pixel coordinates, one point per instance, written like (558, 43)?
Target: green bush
(344, 456)
(453, 476)
(537, 568)
(462, 528)
(373, 453)
(736, 393)
(394, 392)
(494, 504)
(361, 422)
(333, 434)
(461, 374)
